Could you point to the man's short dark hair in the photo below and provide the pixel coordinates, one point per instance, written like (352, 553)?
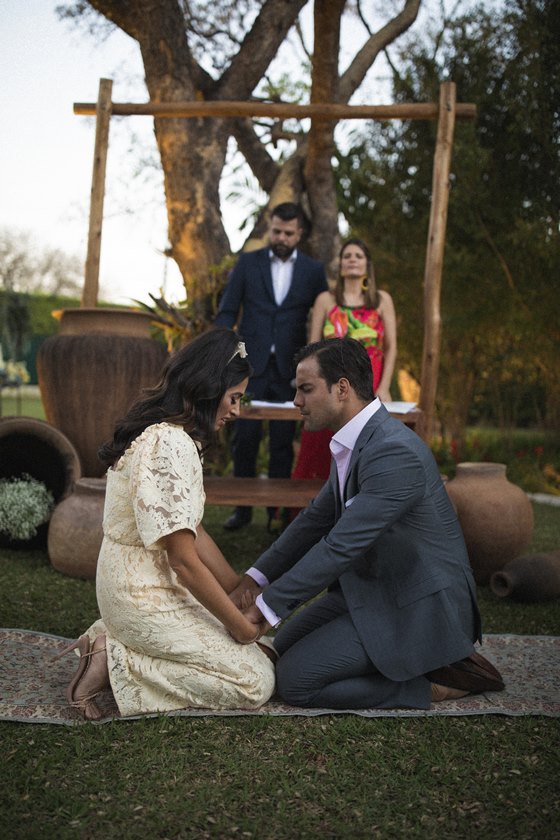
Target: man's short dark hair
(287, 211)
(338, 358)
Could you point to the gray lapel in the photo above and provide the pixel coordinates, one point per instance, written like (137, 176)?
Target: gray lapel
(333, 478)
(372, 424)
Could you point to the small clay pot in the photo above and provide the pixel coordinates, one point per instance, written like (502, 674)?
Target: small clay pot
(496, 516)
(32, 446)
(535, 577)
(76, 529)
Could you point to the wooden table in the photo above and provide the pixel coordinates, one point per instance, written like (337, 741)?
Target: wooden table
(288, 412)
(274, 492)
(265, 492)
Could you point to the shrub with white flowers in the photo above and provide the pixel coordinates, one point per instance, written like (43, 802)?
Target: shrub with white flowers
(25, 503)
(12, 373)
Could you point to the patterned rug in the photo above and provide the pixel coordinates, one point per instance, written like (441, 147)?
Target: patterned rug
(32, 686)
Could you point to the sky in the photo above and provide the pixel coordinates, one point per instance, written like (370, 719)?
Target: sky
(46, 152)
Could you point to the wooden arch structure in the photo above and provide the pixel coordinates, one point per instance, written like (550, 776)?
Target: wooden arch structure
(446, 112)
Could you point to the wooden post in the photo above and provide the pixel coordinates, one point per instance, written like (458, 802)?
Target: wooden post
(103, 112)
(434, 255)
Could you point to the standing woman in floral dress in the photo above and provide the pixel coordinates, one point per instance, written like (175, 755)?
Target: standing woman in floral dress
(358, 309)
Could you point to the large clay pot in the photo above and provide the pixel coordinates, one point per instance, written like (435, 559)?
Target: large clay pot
(535, 577)
(91, 372)
(496, 516)
(34, 447)
(76, 529)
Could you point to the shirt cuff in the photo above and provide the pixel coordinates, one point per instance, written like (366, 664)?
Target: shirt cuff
(257, 576)
(269, 614)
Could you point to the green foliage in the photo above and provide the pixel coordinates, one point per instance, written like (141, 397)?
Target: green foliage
(501, 289)
(532, 458)
(39, 308)
(14, 323)
(176, 325)
(23, 402)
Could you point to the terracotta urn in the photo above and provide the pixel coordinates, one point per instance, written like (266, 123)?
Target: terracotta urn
(76, 529)
(534, 577)
(496, 516)
(91, 372)
(36, 448)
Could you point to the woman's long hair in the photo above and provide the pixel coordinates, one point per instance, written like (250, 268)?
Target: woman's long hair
(193, 381)
(371, 295)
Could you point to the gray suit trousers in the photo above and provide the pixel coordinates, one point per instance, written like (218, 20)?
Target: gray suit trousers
(323, 664)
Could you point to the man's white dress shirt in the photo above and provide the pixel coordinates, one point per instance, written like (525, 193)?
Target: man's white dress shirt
(342, 445)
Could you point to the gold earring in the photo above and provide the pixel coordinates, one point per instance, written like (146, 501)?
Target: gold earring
(365, 282)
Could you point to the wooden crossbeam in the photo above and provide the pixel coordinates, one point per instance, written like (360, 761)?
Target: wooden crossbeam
(324, 111)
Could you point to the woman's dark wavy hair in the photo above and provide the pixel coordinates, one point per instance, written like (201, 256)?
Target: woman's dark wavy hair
(371, 294)
(193, 381)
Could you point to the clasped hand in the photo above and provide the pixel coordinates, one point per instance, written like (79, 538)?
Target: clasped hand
(243, 596)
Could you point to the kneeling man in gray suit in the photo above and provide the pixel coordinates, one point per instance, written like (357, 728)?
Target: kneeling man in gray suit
(398, 621)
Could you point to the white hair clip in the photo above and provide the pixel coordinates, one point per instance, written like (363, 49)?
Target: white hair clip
(239, 351)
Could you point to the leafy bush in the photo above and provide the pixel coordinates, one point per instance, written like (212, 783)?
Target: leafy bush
(532, 458)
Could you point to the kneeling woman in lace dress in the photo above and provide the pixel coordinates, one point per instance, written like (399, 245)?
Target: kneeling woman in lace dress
(169, 637)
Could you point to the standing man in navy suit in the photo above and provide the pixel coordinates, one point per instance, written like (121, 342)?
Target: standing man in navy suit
(272, 289)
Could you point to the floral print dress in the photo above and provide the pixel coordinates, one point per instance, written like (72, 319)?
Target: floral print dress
(363, 324)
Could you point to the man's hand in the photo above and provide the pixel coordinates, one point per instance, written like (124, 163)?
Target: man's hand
(245, 593)
(256, 617)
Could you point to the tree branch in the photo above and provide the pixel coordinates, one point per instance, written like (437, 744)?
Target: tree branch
(264, 167)
(259, 47)
(163, 44)
(356, 72)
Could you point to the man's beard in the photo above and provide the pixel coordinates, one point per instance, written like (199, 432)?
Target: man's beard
(282, 251)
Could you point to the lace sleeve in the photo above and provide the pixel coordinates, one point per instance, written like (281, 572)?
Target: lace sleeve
(166, 484)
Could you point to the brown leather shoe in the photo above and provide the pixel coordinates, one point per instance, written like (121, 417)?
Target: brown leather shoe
(474, 674)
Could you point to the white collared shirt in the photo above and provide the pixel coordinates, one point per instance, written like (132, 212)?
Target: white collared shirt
(342, 445)
(282, 272)
(343, 442)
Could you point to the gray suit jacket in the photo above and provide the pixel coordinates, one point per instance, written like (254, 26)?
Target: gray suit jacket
(395, 548)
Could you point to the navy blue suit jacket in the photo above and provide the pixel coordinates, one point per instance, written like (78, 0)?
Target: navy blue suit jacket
(249, 291)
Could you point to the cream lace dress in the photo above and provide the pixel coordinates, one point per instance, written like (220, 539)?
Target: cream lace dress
(165, 650)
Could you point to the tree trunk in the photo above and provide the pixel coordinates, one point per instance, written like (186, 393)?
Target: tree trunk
(318, 172)
(192, 154)
(193, 151)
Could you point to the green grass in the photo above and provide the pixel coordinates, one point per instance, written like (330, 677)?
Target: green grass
(26, 403)
(274, 778)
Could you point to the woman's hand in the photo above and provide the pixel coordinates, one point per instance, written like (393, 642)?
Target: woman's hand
(245, 632)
